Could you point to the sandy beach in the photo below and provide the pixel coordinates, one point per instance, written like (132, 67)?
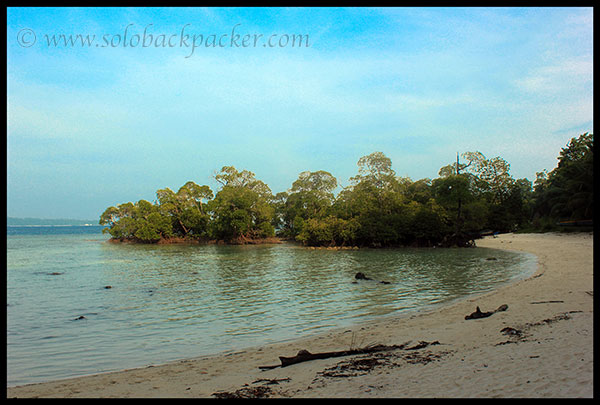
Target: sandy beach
(540, 346)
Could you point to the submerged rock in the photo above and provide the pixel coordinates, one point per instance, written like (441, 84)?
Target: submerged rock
(361, 276)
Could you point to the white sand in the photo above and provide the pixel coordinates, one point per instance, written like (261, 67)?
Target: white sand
(552, 359)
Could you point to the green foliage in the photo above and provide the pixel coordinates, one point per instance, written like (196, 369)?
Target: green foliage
(125, 228)
(311, 196)
(448, 191)
(429, 224)
(329, 231)
(147, 233)
(141, 221)
(242, 209)
(377, 209)
(567, 192)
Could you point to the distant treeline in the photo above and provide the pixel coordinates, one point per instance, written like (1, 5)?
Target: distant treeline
(471, 196)
(13, 221)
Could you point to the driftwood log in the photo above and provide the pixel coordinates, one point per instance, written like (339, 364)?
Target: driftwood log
(547, 302)
(305, 355)
(478, 314)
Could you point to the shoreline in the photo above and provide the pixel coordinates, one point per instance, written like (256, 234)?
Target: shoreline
(191, 241)
(552, 357)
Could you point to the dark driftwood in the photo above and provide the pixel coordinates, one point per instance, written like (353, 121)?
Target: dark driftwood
(478, 314)
(547, 302)
(305, 355)
(422, 344)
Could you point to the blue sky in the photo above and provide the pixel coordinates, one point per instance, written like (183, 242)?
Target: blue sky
(94, 126)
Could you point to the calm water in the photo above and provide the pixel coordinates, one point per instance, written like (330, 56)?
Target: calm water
(173, 302)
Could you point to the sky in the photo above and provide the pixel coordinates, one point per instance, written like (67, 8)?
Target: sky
(148, 98)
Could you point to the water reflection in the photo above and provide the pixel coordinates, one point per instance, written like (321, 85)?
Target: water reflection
(174, 301)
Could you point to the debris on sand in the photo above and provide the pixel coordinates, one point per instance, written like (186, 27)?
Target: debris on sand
(478, 314)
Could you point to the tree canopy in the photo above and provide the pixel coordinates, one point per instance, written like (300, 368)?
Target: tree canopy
(567, 192)
(378, 208)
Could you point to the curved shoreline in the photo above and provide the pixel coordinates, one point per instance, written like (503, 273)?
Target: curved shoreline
(554, 359)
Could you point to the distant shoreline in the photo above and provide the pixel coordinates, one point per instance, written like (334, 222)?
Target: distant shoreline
(29, 221)
(35, 226)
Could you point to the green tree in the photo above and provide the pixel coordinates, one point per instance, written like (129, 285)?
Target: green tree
(419, 191)
(186, 208)
(375, 170)
(242, 208)
(455, 194)
(109, 217)
(567, 192)
(429, 224)
(311, 196)
(121, 220)
(375, 202)
(153, 227)
(328, 231)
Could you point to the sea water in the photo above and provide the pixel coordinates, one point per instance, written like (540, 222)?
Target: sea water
(78, 304)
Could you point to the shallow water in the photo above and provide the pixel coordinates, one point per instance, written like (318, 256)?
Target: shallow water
(170, 302)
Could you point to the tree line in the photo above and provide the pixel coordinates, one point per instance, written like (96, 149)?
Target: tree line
(471, 196)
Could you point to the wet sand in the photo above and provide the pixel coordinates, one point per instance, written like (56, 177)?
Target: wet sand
(541, 346)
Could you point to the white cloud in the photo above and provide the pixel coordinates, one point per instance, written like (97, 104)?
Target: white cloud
(566, 76)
